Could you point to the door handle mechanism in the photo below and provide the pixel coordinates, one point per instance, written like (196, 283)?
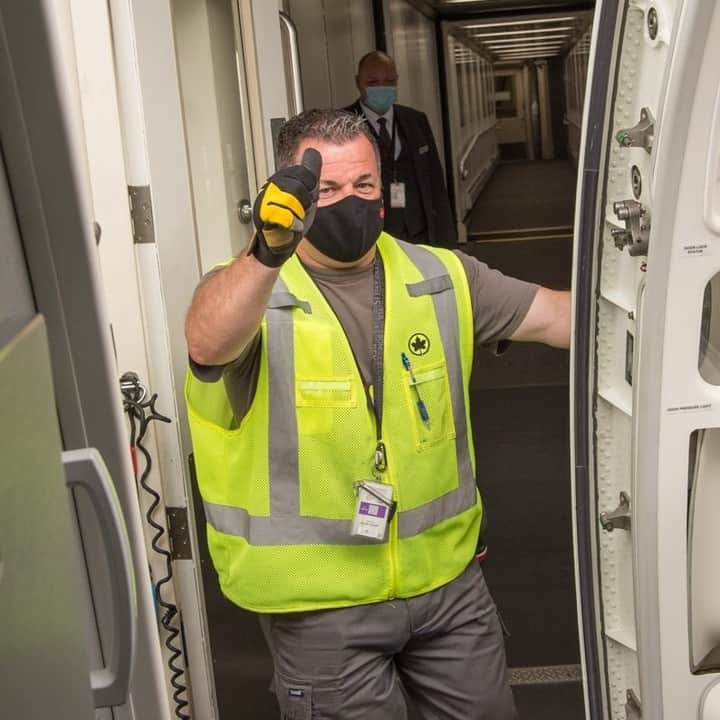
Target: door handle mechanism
(244, 212)
(619, 517)
(85, 468)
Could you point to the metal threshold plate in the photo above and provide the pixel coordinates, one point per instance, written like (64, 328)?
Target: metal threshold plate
(545, 675)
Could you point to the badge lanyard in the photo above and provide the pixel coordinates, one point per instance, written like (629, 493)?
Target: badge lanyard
(375, 506)
(377, 352)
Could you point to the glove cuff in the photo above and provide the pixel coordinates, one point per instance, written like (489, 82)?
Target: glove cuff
(259, 248)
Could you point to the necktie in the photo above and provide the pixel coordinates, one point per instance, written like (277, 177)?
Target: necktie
(386, 149)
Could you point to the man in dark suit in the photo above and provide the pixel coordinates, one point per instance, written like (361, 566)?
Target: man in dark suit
(417, 207)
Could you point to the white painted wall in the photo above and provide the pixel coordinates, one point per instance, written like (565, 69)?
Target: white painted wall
(206, 59)
(332, 35)
(411, 41)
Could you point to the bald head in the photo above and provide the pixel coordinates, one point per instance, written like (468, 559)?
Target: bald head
(377, 73)
(375, 57)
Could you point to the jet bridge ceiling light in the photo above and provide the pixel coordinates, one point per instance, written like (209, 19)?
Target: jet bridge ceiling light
(535, 31)
(497, 46)
(535, 46)
(516, 40)
(508, 23)
(519, 55)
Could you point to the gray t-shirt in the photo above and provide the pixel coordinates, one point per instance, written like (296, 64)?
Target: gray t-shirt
(499, 304)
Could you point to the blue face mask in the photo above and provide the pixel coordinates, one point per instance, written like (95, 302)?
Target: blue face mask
(380, 98)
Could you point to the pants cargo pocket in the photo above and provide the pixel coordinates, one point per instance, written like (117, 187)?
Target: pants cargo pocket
(294, 699)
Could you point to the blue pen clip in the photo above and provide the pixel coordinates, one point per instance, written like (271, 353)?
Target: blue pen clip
(422, 409)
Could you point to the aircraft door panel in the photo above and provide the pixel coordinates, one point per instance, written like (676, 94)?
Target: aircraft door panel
(652, 407)
(625, 199)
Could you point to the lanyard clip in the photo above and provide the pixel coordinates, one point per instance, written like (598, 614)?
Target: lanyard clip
(380, 457)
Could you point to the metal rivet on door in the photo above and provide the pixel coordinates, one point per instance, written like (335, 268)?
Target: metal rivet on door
(636, 180)
(652, 23)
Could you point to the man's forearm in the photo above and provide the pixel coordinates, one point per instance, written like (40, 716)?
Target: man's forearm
(227, 309)
(547, 320)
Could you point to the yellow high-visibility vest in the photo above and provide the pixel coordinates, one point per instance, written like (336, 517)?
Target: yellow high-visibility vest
(279, 488)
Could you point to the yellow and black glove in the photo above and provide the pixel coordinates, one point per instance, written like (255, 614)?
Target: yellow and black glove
(285, 209)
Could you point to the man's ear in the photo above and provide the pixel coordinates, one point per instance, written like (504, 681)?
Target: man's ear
(357, 83)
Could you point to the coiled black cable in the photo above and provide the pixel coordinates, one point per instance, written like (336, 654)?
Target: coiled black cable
(136, 407)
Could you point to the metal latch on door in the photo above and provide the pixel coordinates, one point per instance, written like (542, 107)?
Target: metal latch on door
(636, 233)
(619, 517)
(641, 135)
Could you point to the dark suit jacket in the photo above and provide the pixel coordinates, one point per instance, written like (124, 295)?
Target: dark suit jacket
(417, 137)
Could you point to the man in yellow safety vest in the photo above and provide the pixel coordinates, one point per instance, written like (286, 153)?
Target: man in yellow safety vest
(328, 404)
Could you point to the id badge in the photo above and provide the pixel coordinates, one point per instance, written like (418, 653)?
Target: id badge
(397, 194)
(372, 511)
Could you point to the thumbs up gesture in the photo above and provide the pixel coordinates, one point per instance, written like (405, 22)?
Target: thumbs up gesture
(285, 209)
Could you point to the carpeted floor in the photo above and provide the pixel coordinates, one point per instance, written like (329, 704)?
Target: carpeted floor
(525, 195)
(520, 412)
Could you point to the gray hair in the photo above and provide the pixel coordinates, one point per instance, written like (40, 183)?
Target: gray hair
(331, 126)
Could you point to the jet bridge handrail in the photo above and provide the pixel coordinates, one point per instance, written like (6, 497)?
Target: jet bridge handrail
(287, 24)
(464, 171)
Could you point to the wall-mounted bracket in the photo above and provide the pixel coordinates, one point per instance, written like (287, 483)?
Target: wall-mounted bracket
(619, 517)
(633, 709)
(179, 532)
(641, 135)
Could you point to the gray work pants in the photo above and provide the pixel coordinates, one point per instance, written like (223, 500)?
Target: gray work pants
(444, 650)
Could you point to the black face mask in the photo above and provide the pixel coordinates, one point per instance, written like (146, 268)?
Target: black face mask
(347, 229)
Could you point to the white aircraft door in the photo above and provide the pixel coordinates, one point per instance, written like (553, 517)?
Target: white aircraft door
(646, 403)
(37, 550)
(54, 252)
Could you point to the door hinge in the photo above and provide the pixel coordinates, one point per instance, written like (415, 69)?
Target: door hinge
(636, 233)
(633, 709)
(141, 214)
(619, 517)
(180, 548)
(641, 135)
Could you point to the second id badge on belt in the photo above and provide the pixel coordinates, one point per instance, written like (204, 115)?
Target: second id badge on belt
(373, 509)
(397, 194)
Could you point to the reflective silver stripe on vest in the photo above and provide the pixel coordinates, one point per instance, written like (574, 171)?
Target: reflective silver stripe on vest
(280, 299)
(282, 427)
(412, 522)
(280, 530)
(430, 286)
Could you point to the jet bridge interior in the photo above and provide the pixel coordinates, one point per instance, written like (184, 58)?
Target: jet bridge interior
(502, 84)
(581, 147)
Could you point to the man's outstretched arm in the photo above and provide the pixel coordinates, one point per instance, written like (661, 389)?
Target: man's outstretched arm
(228, 306)
(548, 319)
(227, 309)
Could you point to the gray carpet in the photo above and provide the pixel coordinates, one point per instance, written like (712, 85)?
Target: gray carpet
(520, 413)
(525, 195)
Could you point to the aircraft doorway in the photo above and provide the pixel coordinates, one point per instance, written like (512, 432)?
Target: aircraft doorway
(520, 400)
(515, 193)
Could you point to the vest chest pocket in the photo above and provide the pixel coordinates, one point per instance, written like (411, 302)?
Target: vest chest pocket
(429, 403)
(317, 400)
